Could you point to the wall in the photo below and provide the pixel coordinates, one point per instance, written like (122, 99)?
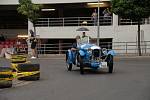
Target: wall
(129, 33)
(126, 33)
(70, 32)
(119, 34)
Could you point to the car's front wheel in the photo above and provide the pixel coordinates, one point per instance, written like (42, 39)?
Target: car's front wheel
(81, 64)
(110, 63)
(69, 67)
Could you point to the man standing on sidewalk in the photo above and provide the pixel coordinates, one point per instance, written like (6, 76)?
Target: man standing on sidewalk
(33, 41)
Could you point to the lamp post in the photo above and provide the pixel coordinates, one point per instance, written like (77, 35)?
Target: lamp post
(98, 26)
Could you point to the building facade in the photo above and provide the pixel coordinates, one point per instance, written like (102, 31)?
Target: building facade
(59, 26)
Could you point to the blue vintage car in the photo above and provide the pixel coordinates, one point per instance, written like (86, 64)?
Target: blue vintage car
(90, 55)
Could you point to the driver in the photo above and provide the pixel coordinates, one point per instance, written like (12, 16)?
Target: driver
(77, 44)
(84, 39)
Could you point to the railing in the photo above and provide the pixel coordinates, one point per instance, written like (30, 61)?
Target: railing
(131, 22)
(72, 21)
(79, 21)
(131, 47)
(121, 48)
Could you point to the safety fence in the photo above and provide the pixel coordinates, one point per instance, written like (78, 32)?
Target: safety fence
(130, 48)
(132, 22)
(121, 48)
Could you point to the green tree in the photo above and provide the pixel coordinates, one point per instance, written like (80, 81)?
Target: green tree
(30, 10)
(135, 10)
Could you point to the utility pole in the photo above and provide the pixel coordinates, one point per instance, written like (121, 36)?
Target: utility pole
(98, 26)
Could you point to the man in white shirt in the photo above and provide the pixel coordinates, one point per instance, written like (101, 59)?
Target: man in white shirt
(85, 38)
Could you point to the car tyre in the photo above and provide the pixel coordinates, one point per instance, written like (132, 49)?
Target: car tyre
(110, 63)
(81, 65)
(69, 66)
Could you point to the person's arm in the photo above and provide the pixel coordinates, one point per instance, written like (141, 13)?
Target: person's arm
(35, 39)
(29, 39)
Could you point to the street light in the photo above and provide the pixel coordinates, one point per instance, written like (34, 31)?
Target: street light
(98, 26)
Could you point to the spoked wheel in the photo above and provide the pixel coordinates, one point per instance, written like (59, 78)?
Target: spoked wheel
(110, 63)
(77, 60)
(81, 64)
(69, 66)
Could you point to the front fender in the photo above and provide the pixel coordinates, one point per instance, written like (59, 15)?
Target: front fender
(81, 52)
(70, 56)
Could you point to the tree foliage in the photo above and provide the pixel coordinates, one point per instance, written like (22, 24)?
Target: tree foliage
(133, 9)
(30, 10)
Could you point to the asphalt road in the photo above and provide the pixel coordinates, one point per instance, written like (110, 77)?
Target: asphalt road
(130, 81)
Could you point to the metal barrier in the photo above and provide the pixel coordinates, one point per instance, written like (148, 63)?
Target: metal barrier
(131, 22)
(121, 48)
(72, 21)
(79, 21)
(130, 48)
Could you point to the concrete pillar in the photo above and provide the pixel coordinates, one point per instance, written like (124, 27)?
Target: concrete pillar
(115, 21)
(115, 27)
(60, 46)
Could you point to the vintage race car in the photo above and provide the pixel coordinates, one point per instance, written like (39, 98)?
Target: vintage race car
(90, 55)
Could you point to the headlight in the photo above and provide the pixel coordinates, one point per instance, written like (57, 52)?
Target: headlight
(90, 51)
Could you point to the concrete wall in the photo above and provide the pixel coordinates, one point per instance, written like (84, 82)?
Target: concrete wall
(129, 33)
(125, 33)
(70, 32)
(121, 33)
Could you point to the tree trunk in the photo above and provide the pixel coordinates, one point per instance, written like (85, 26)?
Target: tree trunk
(139, 39)
(34, 29)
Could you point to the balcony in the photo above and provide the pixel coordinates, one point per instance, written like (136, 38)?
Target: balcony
(72, 21)
(85, 21)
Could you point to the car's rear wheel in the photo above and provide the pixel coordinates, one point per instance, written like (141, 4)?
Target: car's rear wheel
(81, 64)
(69, 66)
(77, 60)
